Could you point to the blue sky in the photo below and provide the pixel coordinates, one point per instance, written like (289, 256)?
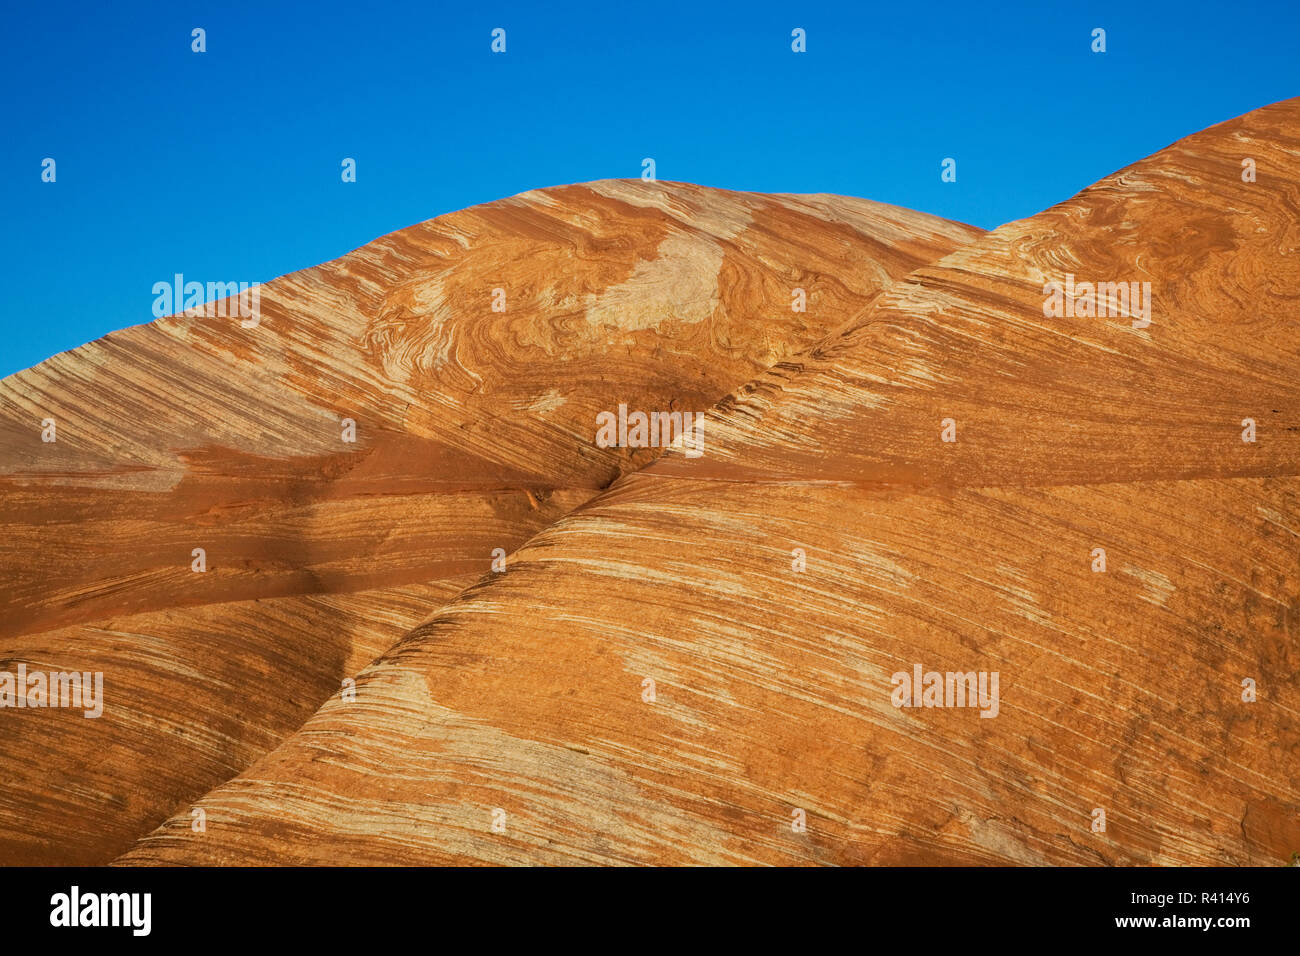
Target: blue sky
(225, 165)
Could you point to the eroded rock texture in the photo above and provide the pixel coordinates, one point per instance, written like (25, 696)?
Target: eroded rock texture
(517, 723)
(472, 352)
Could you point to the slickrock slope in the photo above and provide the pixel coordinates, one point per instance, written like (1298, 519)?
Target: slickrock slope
(472, 352)
(830, 539)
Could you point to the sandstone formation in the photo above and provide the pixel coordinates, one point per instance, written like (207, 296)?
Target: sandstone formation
(471, 353)
(700, 658)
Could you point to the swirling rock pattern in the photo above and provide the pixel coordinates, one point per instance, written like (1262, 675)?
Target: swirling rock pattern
(519, 722)
(473, 353)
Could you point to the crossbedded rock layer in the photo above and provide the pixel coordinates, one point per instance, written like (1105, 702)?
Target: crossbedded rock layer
(659, 295)
(190, 695)
(472, 352)
(702, 657)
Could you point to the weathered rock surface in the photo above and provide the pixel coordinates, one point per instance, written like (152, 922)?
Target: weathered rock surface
(474, 431)
(517, 724)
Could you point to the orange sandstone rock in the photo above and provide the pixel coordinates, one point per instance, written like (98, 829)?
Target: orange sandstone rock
(699, 664)
(202, 532)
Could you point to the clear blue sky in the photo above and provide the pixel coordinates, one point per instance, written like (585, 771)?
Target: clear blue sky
(226, 165)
